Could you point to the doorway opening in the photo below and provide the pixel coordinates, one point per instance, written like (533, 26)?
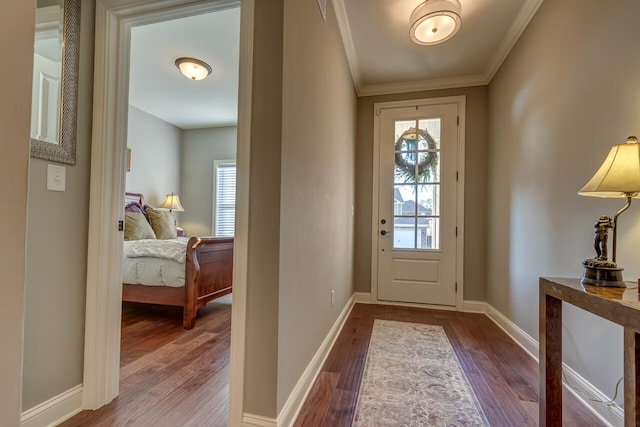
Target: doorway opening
(114, 21)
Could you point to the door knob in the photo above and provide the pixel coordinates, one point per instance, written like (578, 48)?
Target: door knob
(384, 232)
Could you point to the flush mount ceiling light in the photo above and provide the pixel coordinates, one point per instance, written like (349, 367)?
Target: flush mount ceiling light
(435, 21)
(193, 69)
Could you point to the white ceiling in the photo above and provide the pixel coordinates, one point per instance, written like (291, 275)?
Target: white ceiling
(157, 86)
(381, 56)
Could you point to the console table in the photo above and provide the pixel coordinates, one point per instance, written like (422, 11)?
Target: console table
(618, 305)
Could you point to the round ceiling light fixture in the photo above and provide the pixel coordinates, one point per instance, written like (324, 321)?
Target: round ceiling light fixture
(193, 69)
(435, 21)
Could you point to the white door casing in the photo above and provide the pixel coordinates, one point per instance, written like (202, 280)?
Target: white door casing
(416, 256)
(114, 20)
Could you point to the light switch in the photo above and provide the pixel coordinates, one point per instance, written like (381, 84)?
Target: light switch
(55, 178)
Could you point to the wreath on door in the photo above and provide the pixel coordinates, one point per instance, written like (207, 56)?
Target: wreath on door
(407, 154)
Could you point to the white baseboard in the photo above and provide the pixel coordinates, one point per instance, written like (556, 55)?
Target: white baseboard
(611, 414)
(292, 406)
(362, 297)
(250, 420)
(55, 410)
(590, 396)
(523, 339)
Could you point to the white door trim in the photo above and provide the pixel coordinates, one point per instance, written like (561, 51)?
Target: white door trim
(114, 20)
(377, 107)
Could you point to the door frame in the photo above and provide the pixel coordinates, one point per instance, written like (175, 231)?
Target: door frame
(114, 20)
(377, 108)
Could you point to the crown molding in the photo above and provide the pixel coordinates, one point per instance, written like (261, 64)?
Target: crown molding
(521, 22)
(347, 42)
(422, 85)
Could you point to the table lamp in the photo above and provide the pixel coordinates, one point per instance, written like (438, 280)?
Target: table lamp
(618, 177)
(172, 202)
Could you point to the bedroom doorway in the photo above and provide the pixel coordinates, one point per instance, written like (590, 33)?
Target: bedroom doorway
(114, 21)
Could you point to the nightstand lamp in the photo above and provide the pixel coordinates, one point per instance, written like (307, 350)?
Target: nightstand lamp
(172, 202)
(618, 177)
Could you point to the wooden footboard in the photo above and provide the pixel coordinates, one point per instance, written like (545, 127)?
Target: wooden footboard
(208, 273)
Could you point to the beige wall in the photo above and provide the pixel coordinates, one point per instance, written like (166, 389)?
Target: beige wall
(568, 91)
(155, 156)
(317, 187)
(301, 196)
(16, 43)
(57, 256)
(261, 335)
(200, 147)
(475, 205)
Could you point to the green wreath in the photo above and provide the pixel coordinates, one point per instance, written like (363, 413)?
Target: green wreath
(405, 162)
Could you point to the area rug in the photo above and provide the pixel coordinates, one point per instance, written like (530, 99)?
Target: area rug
(412, 377)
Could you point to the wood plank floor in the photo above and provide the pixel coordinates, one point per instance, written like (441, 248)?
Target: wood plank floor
(503, 376)
(171, 377)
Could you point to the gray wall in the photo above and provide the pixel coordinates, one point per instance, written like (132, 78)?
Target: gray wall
(567, 93)
(475, 191)
(155, 157)
(16, 42)
(200, 147)
(56, 268)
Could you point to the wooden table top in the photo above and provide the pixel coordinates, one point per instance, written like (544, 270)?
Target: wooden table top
(620, 305)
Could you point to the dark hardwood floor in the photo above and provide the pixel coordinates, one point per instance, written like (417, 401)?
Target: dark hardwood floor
(172, 377)
(169, 376)
(503, 376)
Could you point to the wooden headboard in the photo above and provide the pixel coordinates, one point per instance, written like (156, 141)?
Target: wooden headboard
(133, 197)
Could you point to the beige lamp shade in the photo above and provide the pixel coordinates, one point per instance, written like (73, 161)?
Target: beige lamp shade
(619, 175)
(172, 202)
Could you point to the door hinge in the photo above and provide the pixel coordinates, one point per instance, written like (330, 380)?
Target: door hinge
(120, 225)
(456, 290)
(378, 112)
(456, 176)
(458, 120)
(456, 231)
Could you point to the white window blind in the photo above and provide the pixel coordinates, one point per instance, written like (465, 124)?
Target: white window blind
(225, 199)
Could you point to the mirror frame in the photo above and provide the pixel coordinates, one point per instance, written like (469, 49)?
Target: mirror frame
(65, 150)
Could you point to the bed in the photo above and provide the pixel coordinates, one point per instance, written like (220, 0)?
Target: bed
(177, 271)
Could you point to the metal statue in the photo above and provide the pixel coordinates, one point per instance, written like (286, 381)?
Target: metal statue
(601, 227)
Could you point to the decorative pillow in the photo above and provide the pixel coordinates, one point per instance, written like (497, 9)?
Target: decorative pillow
(163, 224)
(137, 207)
(136, 227)
(133, 207)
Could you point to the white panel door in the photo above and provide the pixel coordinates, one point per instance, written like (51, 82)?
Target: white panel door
(417, 204)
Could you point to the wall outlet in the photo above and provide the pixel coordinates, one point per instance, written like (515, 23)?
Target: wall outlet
(333, 297)
(56, 180)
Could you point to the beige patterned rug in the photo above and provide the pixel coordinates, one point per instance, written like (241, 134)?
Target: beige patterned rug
(412, 377)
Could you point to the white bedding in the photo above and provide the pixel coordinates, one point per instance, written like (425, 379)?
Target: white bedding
(154, 262)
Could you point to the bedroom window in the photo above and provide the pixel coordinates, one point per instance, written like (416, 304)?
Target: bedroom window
(224, 198)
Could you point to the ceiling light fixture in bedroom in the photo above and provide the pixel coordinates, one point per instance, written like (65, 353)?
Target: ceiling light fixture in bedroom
(435, 21)
(193, 69)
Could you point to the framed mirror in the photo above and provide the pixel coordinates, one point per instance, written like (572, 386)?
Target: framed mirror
(54, 102)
